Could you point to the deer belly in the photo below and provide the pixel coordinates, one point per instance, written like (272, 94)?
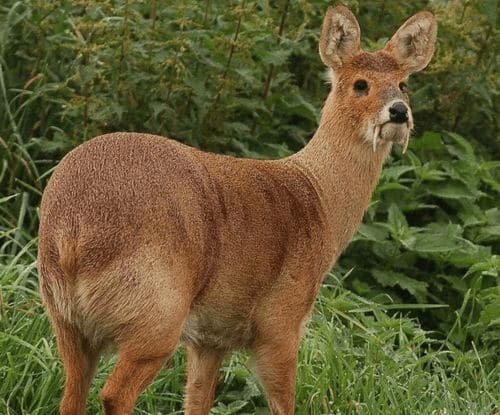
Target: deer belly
(218, 330)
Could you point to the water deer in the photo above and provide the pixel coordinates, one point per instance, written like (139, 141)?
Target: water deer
(146, 242)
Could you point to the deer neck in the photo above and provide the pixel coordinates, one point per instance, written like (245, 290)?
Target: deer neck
(344, 170)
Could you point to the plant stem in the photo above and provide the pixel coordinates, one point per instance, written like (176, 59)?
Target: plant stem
(153, 14)
(233, 43)
(230, 56)
(267, 86)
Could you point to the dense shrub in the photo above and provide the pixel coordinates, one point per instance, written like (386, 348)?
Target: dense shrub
(245, 78)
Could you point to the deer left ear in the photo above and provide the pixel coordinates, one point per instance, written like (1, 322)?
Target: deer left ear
(340, 37)
(414, 43)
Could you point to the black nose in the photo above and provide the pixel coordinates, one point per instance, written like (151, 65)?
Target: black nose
(398, 112)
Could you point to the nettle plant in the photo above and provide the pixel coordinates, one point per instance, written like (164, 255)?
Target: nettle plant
(433, 236)
(243, 79)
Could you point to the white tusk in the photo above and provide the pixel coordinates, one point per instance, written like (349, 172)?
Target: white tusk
(376, 132)
(405, 143)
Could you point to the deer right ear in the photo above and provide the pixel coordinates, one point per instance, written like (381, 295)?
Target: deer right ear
(340, 37)
(414, 43)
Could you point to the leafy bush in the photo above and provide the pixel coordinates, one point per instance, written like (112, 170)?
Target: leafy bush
(245, 78)
(355, 358)
(433, 234)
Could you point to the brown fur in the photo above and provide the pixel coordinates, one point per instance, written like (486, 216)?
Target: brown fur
(145, 241)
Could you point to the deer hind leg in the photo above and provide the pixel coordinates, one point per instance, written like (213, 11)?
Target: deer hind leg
(132, 374)
(139, 305)
(143, 350)
(80, 360)
(138, 363)
(203, 370)
(277, 368)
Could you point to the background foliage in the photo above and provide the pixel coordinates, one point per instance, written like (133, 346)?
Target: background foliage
(245, 78)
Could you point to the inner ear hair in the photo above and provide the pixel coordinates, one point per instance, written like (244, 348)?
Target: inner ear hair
(340, 37)
(414, 43)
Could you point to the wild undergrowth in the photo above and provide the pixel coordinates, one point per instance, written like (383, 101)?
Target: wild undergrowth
(246, 79)
(433, 234)
(358, 356)
(410, 325)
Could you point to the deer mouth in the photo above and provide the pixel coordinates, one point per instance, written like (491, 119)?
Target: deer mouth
(391, 132)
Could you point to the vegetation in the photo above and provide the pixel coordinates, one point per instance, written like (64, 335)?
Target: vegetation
(355, 359)
(409, 320)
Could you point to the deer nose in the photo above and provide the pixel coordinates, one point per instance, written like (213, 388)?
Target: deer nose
(398, 112)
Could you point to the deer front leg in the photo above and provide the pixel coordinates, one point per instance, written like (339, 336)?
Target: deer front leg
(203, 370)
(276, 361)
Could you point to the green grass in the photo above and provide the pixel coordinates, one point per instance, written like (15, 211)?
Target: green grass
(192, 72)
(358, 357)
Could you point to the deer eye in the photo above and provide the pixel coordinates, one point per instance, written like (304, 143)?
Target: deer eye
(361, 85)
(404, 87)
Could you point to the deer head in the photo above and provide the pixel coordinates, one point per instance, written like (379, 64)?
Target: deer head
(369, 95)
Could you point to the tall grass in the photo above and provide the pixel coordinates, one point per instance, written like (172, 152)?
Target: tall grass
(422, 332)
(358, 356)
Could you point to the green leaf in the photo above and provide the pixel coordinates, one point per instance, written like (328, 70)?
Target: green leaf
(430, 141)
(491, 165)
(489, 8)
(390, 278)
(452, 189)
(428, 172)
(276, 57)
(471, 214)
(395, 172)
(463, 149)
(391, 186)
(491, 315)
(453, 282)
(437, 239)
(372, 232)
(493, 216)
(386, 250)
(397, 221)
(489, 234)
(296, 104)
(490, 267)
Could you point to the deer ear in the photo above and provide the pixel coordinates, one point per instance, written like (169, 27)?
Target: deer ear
(414, 43)
(340, 37)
